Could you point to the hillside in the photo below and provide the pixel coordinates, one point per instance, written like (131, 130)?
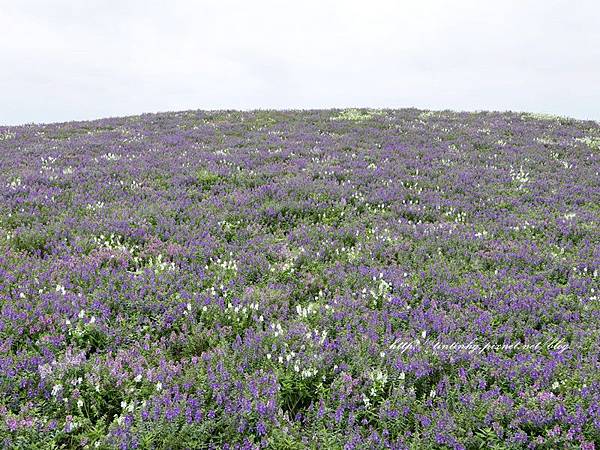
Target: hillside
(301, 279)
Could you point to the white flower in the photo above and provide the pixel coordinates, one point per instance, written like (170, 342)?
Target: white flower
(138, 378)
(159, 386)
(93, 320)
(79, 403)
(81, 314)
(366, 400)
(56, 389)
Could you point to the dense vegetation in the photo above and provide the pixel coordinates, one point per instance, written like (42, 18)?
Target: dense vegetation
(318, 279)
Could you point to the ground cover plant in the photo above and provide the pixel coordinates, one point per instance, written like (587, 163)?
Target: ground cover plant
(284, 279)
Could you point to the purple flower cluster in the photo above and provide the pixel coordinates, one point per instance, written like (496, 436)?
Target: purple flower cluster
(336, 279)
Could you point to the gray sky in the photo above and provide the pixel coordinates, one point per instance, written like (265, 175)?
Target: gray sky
(82, 59)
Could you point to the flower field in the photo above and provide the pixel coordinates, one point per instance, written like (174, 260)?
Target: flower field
(333, 279)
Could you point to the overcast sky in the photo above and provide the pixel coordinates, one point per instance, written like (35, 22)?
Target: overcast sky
(82, 59)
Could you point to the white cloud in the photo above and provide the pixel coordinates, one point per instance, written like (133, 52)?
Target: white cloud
(67, 60)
